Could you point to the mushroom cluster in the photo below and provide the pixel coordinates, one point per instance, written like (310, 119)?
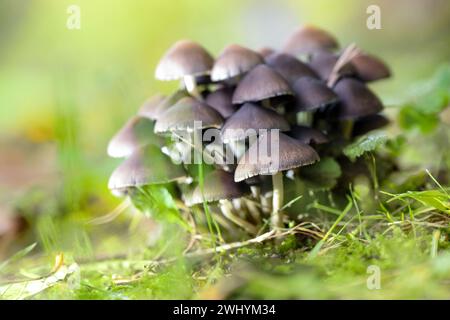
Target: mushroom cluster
(244, 116)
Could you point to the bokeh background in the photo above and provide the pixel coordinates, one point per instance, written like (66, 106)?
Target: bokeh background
(63, 93)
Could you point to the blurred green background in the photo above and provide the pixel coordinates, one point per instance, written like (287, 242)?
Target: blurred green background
(63, 93)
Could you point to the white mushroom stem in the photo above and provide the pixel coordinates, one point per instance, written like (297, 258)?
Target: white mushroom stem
(253, 210)
(256, 192)
(227, 209)
(191, 85)
(266, 202)
(278, 193)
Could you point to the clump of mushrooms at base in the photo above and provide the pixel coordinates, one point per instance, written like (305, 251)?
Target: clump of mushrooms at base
(298, 104)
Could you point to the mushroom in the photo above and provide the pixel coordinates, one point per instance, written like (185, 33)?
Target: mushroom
(246, 123)
(137, 132)
(185, 60)
(289, 67)
(285, 153)
(308, 39)
(356, 101)
(183, 115)
(155, 106)
(310, 95)
(219, 186)
(323, 62)
(370, 68)
(369, 123)
(265, 51)
(220, 100)
(184, 121)
(308, 135)
(249, 119)
(150, 105)
(234, 61)
(217, 152)
(145, 166)
(260, 84)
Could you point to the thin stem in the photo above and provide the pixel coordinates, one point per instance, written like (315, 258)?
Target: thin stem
(227, 209)
(191, 86)
(253, 210)
(210, 221)
(266, 203)
(347, 129)
(256, 192)
(278, 194)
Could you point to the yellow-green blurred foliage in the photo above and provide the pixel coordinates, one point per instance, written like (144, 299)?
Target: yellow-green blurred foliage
(78, 86)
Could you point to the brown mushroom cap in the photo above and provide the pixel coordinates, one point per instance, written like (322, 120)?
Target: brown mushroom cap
(370, 68)
(153, 103)
(322, 62)
(184, 113)
(356, 99)
(220, 100)
(265, 51)
(218, 185)
(292, 154)
(233, 61)
(308, 39)
(184, 58)
(369, 123)
(308, 135)
(289, 66)
(137, 132)
(251, 116)
(311, 94)
(145, 166)
(261, 83)
(155, 106)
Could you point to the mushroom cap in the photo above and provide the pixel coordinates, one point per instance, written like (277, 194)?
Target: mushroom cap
(220, 100)
(289, 66)
(137, 132)
(155, 106)
(265, 51)
(261, 83)
(322, 62)
(233, 61)
(308, 135)
(369, 123)
(292, 154)
(356, 99)
(184, 58)
(307, 39)
(218, 185)
(149, 107)
(252, 117)
(312, 94)
(145, 166)
(182, 115)
(370, 68)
